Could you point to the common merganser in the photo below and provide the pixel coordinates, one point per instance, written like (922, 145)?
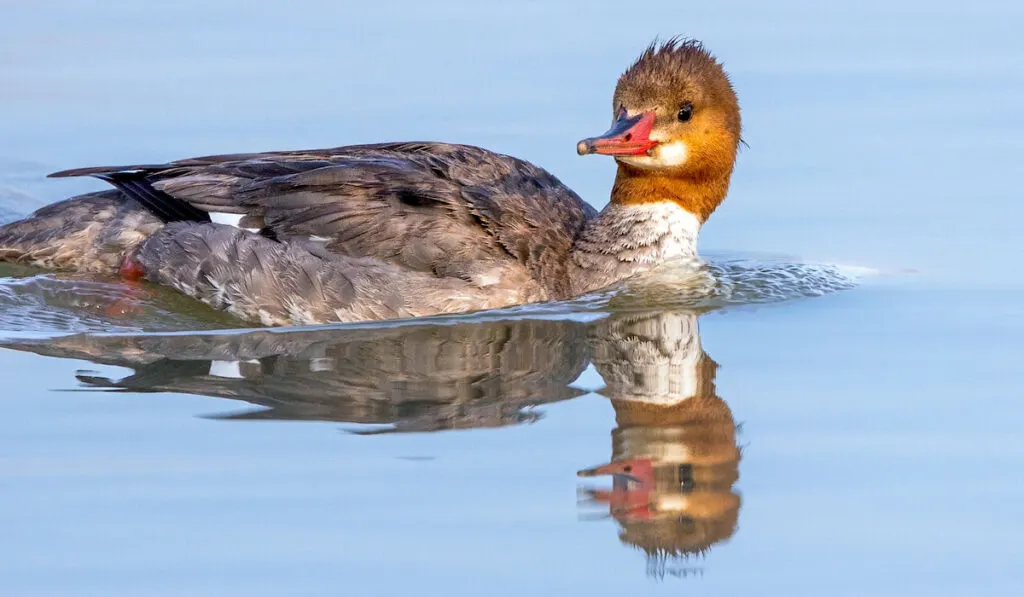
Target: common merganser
(397, 230)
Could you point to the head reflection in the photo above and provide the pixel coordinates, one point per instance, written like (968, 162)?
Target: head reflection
(674, 454)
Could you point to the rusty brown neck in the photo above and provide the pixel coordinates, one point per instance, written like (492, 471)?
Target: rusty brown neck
(698, 193)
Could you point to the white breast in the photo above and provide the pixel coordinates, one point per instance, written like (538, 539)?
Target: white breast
(658, 231)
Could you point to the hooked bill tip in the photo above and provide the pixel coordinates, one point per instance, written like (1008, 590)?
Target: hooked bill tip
(583, 147)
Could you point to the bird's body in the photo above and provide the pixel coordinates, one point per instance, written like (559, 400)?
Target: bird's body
(378, 231)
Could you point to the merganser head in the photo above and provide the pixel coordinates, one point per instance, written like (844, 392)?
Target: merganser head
(674, 108)
(675, 118)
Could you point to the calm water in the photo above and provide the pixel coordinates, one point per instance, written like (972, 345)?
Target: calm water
(861, 442)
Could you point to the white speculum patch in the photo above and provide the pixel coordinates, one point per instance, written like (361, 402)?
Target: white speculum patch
(227, 219)
(234, 220)
(229, 369)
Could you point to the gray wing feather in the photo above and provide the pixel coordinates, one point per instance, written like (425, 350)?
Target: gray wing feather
(279, 283)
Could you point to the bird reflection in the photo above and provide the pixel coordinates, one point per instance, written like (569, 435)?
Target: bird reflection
(674, 457)
(411, 378)
(674, 454)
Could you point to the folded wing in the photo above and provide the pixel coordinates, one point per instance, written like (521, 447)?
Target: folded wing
(448, 211)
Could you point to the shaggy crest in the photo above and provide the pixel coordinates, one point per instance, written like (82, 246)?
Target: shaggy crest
(682, 69)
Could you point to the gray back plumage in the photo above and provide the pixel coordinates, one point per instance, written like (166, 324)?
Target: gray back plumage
(397, 229)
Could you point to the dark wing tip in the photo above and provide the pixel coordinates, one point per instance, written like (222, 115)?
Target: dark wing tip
(98, 170)
(135, 185)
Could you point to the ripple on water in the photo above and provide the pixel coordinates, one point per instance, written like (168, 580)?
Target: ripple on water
(52, 304)
(733, 281)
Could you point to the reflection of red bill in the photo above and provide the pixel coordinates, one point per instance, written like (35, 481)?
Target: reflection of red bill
(627, 504)
(638, 470)
(128, 302)
(632, 495)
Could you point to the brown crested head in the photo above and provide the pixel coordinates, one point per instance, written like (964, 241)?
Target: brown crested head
(675, 118)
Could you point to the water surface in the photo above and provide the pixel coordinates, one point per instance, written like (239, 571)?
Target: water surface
(859, 440)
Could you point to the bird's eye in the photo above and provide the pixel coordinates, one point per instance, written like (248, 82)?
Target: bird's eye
(685, 113)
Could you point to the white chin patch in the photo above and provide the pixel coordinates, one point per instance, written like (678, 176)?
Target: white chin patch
(665, 155)
(671, 154)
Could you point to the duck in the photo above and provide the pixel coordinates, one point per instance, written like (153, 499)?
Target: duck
(409, 229)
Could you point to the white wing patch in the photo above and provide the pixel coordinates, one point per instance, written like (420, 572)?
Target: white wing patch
(228, 369)
(233, 220)
(228, 219)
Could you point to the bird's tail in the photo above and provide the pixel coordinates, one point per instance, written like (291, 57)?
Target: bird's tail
(88, 233)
